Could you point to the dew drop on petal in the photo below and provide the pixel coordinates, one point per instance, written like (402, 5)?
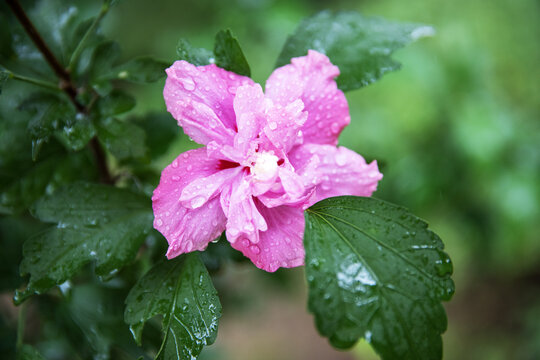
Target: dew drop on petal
(187, 83)
(341, 159)
(272, 125)
(334, 127)
(255, 249)
(197, 202)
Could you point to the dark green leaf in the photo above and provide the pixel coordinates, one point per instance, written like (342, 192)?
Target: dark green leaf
(374, 270)
(98, 313)
(50, 112)
(360, 46)
(123, 139)
(115, 103)
(229, 55)
(76, 132)
(4, 75)
(101, 64)
(160, 131)
(94, 222)
(28, 352)
(195, 56)
(182, 291)
(141, 70)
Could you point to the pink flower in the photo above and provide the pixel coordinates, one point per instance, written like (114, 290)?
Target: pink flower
(267, 157)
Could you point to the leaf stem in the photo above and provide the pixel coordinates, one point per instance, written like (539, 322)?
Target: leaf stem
(38, 82)
(66, 84)
(21, 322)
(80, 47)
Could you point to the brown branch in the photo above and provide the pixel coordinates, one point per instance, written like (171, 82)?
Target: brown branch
(66, 84)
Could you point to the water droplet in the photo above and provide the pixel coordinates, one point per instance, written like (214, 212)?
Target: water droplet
(187, 83)
(197, 202)
(255, 249)
(272, 125)
(334, 127)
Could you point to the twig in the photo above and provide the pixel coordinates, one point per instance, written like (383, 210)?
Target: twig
(38, 82)
(66, 84)
(21, 322)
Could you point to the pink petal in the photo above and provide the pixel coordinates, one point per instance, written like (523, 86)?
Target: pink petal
(337, 171)
(185, 229)
(200, 190)
(280, 245)
(201, 100)
(243, 218)
(284, 124)
(249, 110)
(311, 79)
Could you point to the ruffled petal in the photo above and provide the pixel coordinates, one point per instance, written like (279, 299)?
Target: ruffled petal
(202, 189)
(185, 229)
(284, 124)
(243, 217)
(201, 100)
(335, 171)
(249, 110)
(311, 79)
(281, 244)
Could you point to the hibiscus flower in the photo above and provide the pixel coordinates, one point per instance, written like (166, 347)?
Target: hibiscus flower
(267, 156)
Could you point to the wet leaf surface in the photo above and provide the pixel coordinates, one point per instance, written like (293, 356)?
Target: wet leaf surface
(182, 291)
(360, 46)
(93, 222)
(374, 270)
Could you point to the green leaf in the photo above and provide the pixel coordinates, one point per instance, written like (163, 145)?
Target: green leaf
(4, 76)
(115, 103)
(28, 352)
(123, 139)
(101, 64)
(229, 55)
(93, 222)
(160, 131)
(360, 46)
(195, 56)
(182, 291)
(374, 270)
(141, 70)
(54, 115)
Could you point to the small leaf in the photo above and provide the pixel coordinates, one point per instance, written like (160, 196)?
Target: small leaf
(93, 222)
(374, 270)
(123, 139)
(50, 113)
(115, 103)
(182, 291)
(195, 56)
(160, 131)
(76, 132)
(141, 70)
(360, 46)
(229, 55)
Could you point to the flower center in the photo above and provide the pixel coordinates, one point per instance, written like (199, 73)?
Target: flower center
(265, 166)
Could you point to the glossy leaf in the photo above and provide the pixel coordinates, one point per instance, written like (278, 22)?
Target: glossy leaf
(195, 56)
(93, 222)
(229, 55)
(115, 103)
(374, 270)
(182, 291)
(123, 139)
(141, 70)
(360, 46)
(160, 131)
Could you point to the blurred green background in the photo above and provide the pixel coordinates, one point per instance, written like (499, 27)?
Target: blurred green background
(456, 133)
